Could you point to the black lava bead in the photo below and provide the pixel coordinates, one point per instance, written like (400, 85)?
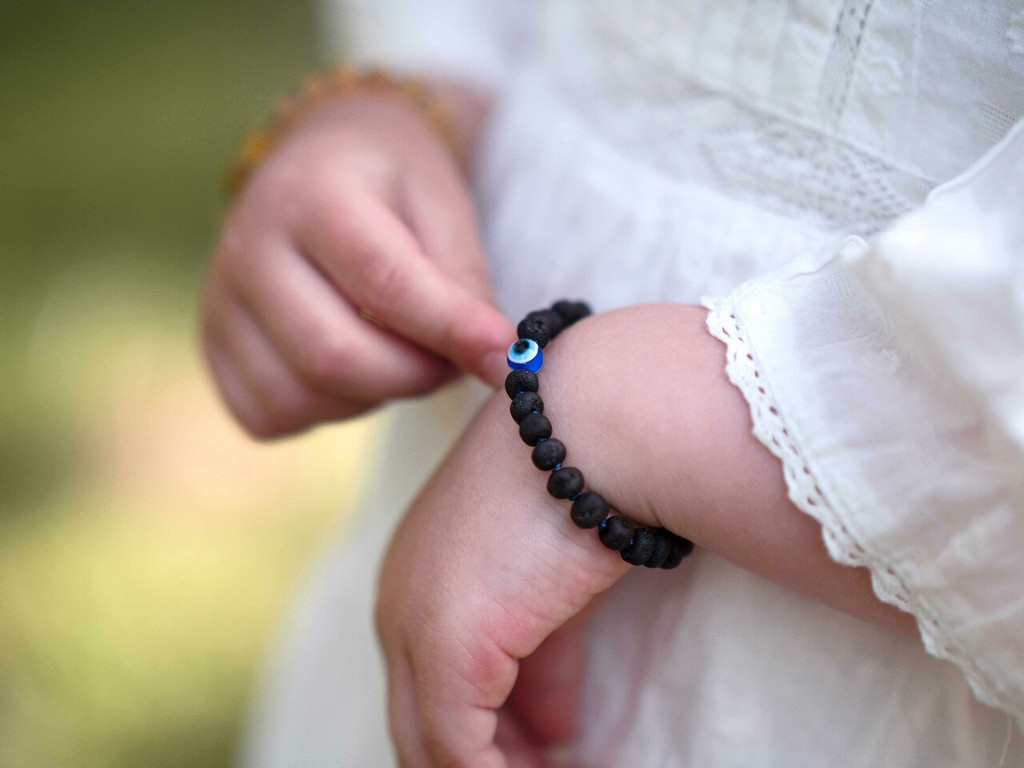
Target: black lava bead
(534, 427)
(554, 321)
(640, 548)
(520, 380)
(662, 549)
(589, 509)
(536, 326)
(571, 311)
(680, 548)
(524, 403)
(615, 532)
(549, 454)
(565, 483)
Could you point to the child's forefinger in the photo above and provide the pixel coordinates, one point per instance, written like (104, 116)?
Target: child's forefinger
(325, 340)
(378, 265)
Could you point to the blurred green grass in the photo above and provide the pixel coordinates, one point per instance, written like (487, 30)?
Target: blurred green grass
(146, 548)
(117, 120)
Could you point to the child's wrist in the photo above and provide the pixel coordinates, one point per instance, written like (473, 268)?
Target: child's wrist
(454, 114)
(645, 406)
(652, 547)
(641, 398)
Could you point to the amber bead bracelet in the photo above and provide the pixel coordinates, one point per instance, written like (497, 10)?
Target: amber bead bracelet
(658, 548)
(343, 79)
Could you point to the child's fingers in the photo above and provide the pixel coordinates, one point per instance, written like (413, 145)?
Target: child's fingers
(236, 394)
(459, 733)
(445, 227)
(476, 737)
(403, 714)
(263, 393)
(385, 274)
(546, 695)
(518, 746)
(325, 341)
(429, 729)
(484, 567)
(459, 679)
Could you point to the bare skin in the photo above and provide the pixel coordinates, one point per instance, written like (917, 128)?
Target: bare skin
(349, 272)
(486, 566)
(360, 213)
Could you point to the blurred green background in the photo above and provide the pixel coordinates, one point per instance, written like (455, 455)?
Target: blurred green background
(146, 547)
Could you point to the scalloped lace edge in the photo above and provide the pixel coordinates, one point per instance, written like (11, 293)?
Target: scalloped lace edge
(769, 426)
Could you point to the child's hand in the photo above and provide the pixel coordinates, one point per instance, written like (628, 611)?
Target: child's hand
(360, 213)
(484, 587)
(487, 568)
(484, 568)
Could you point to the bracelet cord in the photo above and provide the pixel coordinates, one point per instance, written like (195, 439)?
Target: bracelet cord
(657, 548)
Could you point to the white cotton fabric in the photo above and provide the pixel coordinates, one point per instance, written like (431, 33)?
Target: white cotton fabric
(472, 41)
(911, 351)
(785, 159)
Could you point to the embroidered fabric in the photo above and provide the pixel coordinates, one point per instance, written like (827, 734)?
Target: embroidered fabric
(808, 109)
(646, 101)
(660, 150)
(770, 428)
(797, 172)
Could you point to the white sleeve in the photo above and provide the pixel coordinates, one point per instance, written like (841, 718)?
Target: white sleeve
(888, 376)
(474, 41)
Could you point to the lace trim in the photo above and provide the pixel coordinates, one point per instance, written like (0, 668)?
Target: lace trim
(769, 426)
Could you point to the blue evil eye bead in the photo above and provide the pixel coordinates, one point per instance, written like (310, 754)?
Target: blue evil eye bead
(525, 354)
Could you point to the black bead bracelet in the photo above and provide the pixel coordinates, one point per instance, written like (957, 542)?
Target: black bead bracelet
(657, 548)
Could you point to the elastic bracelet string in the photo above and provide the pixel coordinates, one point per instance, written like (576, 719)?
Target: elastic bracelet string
(321, 86)
(658, 548)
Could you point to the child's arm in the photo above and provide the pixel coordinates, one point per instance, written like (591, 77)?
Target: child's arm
(360, 211)
(487, 565)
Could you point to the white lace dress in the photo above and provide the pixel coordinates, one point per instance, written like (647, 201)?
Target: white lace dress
(844, 180)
